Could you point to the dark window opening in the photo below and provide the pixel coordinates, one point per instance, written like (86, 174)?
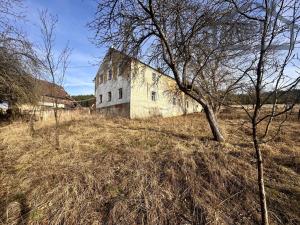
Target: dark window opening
(153, 96)
(120, 93)
(100, 98)
(109, 96)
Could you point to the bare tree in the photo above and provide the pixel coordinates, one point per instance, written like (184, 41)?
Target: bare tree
(18, 61)
(270, 71)
(192, 40)
(196, 40)
(54, 65)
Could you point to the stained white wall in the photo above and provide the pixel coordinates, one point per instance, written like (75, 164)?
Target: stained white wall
(137, 84)
(112, 61)
(113, 87)
(142, 85)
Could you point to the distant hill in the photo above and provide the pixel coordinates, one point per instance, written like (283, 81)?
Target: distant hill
(84, 100)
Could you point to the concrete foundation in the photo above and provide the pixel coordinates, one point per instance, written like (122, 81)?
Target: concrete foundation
(122, 110)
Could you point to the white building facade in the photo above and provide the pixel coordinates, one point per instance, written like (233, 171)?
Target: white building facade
(127, 87)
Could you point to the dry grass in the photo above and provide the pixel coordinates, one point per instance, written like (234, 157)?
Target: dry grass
(157, 171)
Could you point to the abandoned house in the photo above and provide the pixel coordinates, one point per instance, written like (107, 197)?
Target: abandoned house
(125, 86)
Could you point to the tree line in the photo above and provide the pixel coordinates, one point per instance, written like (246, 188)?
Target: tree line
(84, 100)
(289, 97)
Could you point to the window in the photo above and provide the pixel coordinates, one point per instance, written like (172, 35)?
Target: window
(109, 74)
(109, 96)
(174, 101)
(101, 78)
(120, 69)
(100, 98)
(187, 104)
(179, 101)
(153, 96)
(120, 93)
(153, 77)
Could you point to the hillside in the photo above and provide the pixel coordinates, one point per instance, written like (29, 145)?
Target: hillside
(84, 100)
(156, 171)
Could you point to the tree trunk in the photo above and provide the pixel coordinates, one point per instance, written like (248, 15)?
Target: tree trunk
(214, 126)
(31, 123)
(56, 126)
(260, 180)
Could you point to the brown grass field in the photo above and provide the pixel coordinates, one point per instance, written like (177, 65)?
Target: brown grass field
(157, 171)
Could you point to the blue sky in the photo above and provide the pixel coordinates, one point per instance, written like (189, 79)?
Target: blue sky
(73, 15)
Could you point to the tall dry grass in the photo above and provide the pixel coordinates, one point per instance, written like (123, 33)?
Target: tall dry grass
(156, 171)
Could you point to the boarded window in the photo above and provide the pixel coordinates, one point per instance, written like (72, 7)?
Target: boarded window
(174, 101)
(120, 93)
(100, 98)
(153, 96)
(109, 74)
(109, 96)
